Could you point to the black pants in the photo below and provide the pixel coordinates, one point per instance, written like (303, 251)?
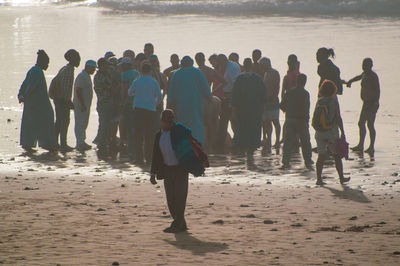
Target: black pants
(144, 121)
(62, 108)
(294, 129)
(176, 185)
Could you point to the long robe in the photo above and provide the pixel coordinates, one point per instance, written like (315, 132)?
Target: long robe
(248, 97)
(37, 124)
(188, 88)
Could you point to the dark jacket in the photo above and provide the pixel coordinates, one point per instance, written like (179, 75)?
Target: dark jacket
(296, 104)
(187, 150)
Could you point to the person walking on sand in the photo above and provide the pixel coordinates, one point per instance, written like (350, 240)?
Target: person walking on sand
(82, 100)
(248, 100)
(271, 109)
(61, 92)
(296, 105)
(37, 125)
(327, 70)
(147, 95)
(327, 122)
(370, 94)
(188, 89)
(176, 154)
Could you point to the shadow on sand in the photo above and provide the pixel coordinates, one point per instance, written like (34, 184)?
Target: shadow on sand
(186, 241)
(349, 193)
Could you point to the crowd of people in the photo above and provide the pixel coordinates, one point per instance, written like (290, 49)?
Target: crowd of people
(201, 102)
(131, 92)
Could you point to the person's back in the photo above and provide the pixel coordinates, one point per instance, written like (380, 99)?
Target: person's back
(187, 89)
(327, 70)
(370, 90)
(296, 104)
(147, 93)
(102, 87)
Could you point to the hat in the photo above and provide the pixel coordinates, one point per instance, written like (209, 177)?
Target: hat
(109, 54)
(125, 60)
(91, 63)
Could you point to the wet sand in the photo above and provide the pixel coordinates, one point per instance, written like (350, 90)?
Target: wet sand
(72, 209)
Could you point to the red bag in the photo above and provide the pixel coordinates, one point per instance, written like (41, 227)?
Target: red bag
(342, 148)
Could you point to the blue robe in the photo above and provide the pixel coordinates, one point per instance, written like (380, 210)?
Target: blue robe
(188, 88)
(248, 98)
(37, 124)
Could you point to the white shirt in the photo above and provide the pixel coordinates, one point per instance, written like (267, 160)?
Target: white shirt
(232, 71)
(84, 82)
(166, 149)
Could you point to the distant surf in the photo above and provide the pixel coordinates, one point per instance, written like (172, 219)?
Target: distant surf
(334, 8)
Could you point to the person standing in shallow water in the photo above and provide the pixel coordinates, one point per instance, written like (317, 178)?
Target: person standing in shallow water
(176, 154)
(62, 97)
(271, 109)
(37, 125)
(248, 100)
(296, 105)
(327, 139)
(147, 95)
(370, 94)
(83, 95)
(188, 89)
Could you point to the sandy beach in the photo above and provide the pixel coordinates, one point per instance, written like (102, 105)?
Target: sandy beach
(73, 209)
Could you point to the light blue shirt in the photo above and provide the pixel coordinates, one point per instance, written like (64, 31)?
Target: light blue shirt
(146, 92)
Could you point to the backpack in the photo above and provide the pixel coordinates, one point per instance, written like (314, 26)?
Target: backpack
(321, 116)
(54, 88)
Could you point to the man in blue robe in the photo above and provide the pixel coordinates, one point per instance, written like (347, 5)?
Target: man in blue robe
(37, 126)
(188, 88)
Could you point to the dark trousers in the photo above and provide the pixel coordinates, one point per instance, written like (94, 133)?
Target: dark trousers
(144, 121)
(223, 122)
(294, 129)
(176, 185)
(104, 111)
(62, 108)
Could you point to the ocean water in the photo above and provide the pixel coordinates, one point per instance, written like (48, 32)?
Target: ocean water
(354, 28)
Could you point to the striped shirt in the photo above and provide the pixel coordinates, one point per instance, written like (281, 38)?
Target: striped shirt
(65, 82)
